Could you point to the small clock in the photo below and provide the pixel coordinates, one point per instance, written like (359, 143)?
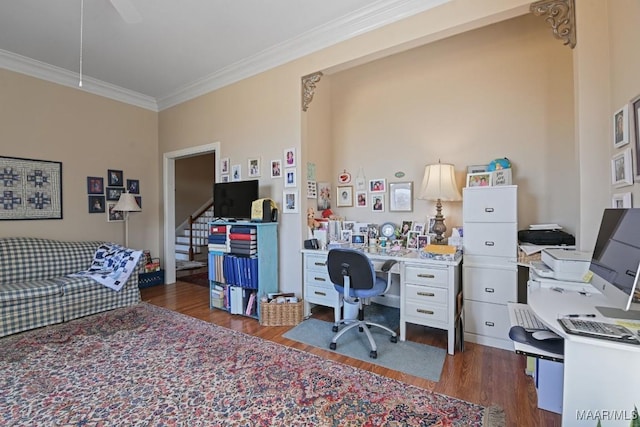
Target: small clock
(388, 230)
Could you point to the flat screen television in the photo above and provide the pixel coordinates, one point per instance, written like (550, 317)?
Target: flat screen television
(615, 263)
(232, 200)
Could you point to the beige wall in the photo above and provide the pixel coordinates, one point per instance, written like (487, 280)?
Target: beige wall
(88, 134)
(505, 90)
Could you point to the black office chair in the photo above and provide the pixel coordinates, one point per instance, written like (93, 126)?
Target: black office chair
(352, 274)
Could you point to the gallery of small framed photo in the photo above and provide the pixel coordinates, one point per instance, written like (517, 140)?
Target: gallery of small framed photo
(344, 196)
(290, 201)
(377, 185)
(253, 166)
(377, 202)
(621, 127)
(621, 174)
(621, 200)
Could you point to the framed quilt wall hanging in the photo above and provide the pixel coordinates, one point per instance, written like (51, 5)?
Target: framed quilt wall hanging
(30, 189)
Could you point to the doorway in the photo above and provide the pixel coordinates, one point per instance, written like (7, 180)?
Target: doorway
(168, 189)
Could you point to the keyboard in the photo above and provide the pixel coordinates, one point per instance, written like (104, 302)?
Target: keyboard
(528, 320)
(595, 329)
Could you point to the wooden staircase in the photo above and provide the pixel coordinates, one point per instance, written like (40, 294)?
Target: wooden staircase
(192, 235)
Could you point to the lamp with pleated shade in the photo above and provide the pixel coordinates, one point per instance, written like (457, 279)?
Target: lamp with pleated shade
(439, 184)
(126, 203)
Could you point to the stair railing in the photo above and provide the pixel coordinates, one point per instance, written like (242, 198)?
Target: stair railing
(193, 218)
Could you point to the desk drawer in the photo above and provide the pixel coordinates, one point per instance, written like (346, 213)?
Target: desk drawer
(322, 295)
(493, 285)
(487, 319)
(425, 314)
(318, 278)
(315, 262)
(426, 294)
(426, 275)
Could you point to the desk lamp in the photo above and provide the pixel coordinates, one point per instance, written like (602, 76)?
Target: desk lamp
(439, 183)
(126, 203)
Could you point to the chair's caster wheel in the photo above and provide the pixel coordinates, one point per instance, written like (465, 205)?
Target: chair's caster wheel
(332, 346)
(393, 339)
(334, 329)
(361, 329)
(373, 354)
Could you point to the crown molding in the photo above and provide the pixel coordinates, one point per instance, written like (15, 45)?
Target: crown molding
(376, 15)
(51, 73)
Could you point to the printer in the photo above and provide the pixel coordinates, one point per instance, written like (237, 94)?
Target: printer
(563, 264)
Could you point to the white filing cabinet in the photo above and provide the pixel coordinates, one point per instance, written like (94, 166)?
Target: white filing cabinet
(490, 271)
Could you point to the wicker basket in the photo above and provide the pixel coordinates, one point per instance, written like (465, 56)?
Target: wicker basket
(284, 314)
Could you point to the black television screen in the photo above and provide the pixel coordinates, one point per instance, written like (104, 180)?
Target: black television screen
(232, 200)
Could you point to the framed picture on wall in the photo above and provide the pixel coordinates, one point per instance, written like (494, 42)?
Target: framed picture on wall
(401, 196)
(621, 169)
(96, 204)
(95, 185)
(621, 200)
(344, 196)
(115, 178)
(133, 186)
(290, 201)
(224, 165)
(276, 168)
(621, 127)
(635, 118)
(377, 185)
(253, 165)
(361, 199)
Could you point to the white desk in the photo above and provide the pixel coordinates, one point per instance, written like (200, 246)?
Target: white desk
(428, 289)
(601, 378)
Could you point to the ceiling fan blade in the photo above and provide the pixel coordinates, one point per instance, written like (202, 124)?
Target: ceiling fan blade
(127, 11)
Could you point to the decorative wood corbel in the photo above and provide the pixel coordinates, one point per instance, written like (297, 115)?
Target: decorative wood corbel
(308, 88)
(561, 16)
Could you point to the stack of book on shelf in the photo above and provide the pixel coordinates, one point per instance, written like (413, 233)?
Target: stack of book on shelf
(218, 238)
(241, 300)
(242, 240)
(240, 271)
(217, 268)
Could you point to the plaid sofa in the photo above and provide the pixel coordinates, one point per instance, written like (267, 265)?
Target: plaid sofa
(35, 290)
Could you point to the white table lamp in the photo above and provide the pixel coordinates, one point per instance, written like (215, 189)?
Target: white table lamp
(127, 203)
(438, 184)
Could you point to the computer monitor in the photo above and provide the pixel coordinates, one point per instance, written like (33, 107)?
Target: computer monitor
(615, 263)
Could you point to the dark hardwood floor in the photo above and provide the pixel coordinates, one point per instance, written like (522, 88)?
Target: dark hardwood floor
(482, 375)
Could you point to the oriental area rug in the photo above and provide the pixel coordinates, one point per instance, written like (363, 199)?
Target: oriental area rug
(148, 366)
